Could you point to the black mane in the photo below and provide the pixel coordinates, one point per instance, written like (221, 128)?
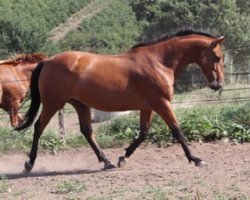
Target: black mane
(182, 32)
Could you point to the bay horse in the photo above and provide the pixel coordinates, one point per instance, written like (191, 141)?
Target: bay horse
(14, 82)
(140, 79)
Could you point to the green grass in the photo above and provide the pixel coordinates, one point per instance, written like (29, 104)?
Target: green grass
(67, 186)
(153, 192)
(203, 123)
(4, 185)
(25, 25)
(50, 140)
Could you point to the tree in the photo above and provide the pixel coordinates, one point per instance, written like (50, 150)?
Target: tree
(224, 17)
(145, 9)
(113, 30)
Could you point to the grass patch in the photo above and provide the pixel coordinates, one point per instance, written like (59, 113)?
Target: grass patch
(218, 195)
(67, 186)
(153, 192)
(4, 186)
(203, 123)
(50, 140)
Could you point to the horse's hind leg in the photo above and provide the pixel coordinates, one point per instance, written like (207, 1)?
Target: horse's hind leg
(145, 120)
(39, 126)
(84, 115)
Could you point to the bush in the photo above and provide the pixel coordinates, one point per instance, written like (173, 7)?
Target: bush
(25, 25)
(198, 124)
(112, 30)
(119, 131)
(50, 141)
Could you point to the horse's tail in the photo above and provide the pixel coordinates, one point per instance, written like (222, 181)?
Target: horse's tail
(35, 99)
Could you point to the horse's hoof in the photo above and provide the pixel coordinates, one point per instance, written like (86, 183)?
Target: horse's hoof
(109, 166)
(200, 163)
(28, 167)
(122, 162)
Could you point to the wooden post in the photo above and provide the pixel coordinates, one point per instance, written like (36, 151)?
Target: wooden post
(61, 122)
(248, 74)
(231, 74)
(192, 81)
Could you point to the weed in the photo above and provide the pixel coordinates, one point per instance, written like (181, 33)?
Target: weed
(72, 198)
(152, 192)
(4, 184)
(52, 142)
(198, 195)
(202, 123)
(67, 186)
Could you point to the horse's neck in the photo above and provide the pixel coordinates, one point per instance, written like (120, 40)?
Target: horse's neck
(176, 54)
(27, 69)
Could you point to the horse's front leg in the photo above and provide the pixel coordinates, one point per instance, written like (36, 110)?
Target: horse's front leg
(145, 119)
(12, 109)
(164, 109)
(14, 121)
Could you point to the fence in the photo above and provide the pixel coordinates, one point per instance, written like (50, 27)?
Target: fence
(237, 91)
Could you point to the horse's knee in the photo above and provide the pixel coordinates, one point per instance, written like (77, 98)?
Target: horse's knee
(14, 120)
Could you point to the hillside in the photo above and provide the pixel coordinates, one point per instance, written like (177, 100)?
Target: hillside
(25, 25)
(75, 20)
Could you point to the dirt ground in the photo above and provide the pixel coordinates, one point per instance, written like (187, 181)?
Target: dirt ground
(151, 173)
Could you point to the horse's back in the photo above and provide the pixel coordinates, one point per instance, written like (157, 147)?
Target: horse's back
(101, 81)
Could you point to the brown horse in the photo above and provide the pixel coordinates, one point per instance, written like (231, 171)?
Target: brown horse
(14, 83)
(139, 79)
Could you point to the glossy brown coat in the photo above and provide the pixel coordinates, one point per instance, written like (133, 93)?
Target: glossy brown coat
(139, 79)
(14, 83)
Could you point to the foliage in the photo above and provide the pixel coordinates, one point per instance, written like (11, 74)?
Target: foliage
(198, 123)
(112, 30)
(4, 184)
(50, 141)
(226, 17)
(67, 186)
(119, 130)
(203, 123)
(25, 25)
(145, 10)
(10, 140)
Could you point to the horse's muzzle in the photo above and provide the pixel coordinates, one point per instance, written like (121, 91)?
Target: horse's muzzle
(215, 85)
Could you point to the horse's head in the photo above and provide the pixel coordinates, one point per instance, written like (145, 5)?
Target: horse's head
(211, 61)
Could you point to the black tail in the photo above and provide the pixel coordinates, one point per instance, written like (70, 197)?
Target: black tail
(35, 99)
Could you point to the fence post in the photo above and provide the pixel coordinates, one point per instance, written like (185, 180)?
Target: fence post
(248, 79)
(61, 122)
(231, 74)
(248, 74)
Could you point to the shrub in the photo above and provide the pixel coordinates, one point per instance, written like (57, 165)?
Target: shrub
(25, 25)
(204, 123)
(112, 30)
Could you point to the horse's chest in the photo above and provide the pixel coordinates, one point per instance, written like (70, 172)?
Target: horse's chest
(162, 84)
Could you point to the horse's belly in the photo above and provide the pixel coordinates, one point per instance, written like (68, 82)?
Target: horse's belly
(111, 101)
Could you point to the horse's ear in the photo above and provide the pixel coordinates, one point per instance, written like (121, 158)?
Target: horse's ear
(216, 41)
